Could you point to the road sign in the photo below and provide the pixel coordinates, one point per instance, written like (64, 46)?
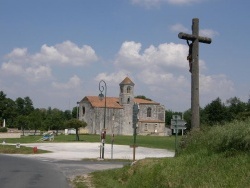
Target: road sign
(135, 114)
(178, 124)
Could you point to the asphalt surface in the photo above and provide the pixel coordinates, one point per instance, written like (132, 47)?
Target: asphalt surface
(20, 172)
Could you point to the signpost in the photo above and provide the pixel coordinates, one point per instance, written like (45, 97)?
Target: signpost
(176, 124)
(136, 109)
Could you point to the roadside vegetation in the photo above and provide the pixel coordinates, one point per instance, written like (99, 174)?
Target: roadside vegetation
(217, 156)
(13, 149)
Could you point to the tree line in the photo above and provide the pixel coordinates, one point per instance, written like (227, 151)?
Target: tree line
(21, 114)
(216, 112)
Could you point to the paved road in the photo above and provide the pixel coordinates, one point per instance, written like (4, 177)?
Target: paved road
(19, 172)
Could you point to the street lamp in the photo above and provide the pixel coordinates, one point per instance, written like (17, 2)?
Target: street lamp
(77, 110)
(103, 88)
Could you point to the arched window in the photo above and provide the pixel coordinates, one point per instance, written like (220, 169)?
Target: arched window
(121, 89)
(128, 89)
(128, 100)
(83, 110)
(149, 112)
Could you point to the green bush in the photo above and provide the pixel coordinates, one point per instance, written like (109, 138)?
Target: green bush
(234, 137)
(230, 138)
(3, 130)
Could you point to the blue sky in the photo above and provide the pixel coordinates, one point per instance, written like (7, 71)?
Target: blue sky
(57, 51)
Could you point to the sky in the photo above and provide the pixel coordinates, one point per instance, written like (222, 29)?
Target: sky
(57, 51)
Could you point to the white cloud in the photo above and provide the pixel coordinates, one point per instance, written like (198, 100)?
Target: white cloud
(208, 33)
(203, 32)
(66, 53)
(37, 67)
(18, 52)
(73, 83)
(167, 55)
(112, 78)
(159, 72)
(157, 3)
(161, 78)
(10, 68)
(162, 72)
(38, 73)
(179, 28)
(183, 2)
(215, 85)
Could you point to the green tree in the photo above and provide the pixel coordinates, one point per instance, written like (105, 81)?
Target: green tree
(28, 106)
(54, 119)
(187, 117)
(142, 97)
(76, 124)
(20, 106)
(7, 110)
(74, 112)
(35, 120)
(22, 122)
(67, 114)
(24, 106)
(236, 107)
(215, 113)
(2, 103)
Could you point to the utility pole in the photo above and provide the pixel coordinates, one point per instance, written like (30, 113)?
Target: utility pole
(193, 58)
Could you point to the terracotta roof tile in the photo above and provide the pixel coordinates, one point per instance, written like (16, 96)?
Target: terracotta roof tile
(151, 121)
(143, 101)
(111, 102)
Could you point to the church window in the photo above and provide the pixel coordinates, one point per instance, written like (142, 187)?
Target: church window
(121, 89)
(128, 89)
(149, 112)
(128, 100)
(83, 110)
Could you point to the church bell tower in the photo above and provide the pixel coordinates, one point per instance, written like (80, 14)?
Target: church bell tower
(126, 96)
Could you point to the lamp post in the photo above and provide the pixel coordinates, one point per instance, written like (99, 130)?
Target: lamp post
(77, 110)
(112, 135)
(103, 88)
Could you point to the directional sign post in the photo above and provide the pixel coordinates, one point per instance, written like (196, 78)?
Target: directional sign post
(136, 109)
(176, 124)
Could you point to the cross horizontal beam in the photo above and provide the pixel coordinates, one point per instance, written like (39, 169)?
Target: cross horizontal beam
(186, 36)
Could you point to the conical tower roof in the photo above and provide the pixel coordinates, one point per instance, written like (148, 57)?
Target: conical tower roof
(127, 81)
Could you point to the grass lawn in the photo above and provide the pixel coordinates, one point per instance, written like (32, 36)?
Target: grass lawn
(162, 142)
(182, 171)
(12, 149)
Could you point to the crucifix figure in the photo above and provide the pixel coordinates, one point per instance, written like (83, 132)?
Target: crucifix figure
(189, 57)
(193, 58)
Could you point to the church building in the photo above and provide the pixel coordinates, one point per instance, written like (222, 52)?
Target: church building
(119, 113)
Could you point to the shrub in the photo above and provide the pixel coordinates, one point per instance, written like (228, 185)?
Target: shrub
(3, 130)
(230, 138)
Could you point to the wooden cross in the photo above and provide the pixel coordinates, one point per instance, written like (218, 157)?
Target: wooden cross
(193, 58)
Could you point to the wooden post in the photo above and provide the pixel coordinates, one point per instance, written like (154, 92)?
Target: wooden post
(194, 69)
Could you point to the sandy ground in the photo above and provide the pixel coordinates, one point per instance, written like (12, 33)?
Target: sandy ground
(78, 151)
